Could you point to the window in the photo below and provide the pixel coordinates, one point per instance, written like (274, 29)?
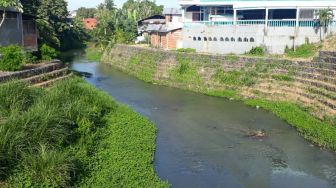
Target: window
(214, 39)
(222, 39)
(199, 39)
(227, 39)
(205, 39)
(210, 39)
(196, 17)
(246, 39)
(240, 39)
(251, 39)
(232, 39)
(194, 38)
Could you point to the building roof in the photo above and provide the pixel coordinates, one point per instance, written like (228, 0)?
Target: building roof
(173, 11)
(262, 3)
(154, 17)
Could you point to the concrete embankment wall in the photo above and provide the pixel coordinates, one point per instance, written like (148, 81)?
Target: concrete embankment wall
(311, 84)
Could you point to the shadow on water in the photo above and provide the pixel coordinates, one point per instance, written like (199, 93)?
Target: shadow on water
(213, 142)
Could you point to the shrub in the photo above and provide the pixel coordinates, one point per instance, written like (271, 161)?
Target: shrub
(29, 57)
(257, 51)
(11, 58)
(186, 50)
(47, 52)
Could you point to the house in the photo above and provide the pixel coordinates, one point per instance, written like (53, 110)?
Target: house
(168, 35)
(146, 25)
(237, 26)
(19, 29)
(90, 23)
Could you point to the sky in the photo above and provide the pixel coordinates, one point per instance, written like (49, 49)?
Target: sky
(75, 4)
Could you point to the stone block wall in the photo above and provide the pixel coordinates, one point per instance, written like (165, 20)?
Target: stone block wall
(312, 84)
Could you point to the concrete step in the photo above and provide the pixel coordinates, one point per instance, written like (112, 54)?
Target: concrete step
(48, 67)
(47, 76)
(51, 82)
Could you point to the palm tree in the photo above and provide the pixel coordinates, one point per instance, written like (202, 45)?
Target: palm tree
(325, 16)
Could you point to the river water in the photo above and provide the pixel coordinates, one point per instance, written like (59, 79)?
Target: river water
(206, 141)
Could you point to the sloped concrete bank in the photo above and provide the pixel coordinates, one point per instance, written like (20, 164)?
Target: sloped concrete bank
(39, 75)
(310, 86)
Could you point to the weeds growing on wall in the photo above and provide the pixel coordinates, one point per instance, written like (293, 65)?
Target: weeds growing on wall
(236, 78)
(186, 72)
(143, 64)
(72, 135)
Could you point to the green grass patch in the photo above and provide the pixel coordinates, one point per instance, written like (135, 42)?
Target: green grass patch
(93, 54)
(186, 50)
(186, 72)
(72, 135)
(303, 51)
(236, 78)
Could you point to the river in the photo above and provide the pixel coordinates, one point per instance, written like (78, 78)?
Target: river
(206, 142)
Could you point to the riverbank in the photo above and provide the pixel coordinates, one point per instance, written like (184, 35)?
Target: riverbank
(283, 87)
(72, 134)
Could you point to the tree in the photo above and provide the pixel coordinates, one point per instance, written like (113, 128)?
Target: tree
(5, 4)
(325, 17)
(83, 12)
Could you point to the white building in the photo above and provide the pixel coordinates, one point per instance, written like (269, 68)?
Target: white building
(236, 26)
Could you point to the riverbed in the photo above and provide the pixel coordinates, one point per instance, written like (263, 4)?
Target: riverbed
(212, 142)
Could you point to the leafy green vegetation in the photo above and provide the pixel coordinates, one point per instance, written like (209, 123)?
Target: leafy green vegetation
(320, 133)
(232, 57)
(93, 54)
(72, 135)
(304, 51)
(11, 58)
(257, 51)
(143, 65)
(186, 50)
(186, 72)
(47, 52)
(236, 78)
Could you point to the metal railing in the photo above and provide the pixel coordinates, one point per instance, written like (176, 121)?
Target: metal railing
(270, 23)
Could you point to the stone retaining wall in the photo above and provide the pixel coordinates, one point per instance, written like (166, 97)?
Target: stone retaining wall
(310, 83)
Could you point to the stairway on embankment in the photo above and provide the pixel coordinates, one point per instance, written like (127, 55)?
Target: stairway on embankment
(313, 83)
(42, 75)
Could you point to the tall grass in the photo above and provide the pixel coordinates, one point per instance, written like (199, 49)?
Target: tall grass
(50, 138)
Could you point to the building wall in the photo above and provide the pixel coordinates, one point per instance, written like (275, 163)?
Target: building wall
(170, 40)
(275, 39)
(90, 23)
(11, 30)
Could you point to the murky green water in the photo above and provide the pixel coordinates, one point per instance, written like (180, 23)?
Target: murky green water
(204, 141)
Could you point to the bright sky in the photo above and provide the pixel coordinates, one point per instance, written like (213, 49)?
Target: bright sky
(75, 4)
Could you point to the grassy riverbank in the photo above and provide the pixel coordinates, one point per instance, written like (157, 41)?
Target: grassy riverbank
(72, 135)
(200, 74)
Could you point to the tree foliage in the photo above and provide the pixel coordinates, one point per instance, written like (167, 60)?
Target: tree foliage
(51, 19)
(5, 4)
(120, 25)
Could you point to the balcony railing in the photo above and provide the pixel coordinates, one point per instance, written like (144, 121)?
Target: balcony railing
(270, 23)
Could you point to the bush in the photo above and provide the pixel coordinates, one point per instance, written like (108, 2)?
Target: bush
(30, 58)
(186, 50)
(47, 52)
(257, 51)
(11, 58)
